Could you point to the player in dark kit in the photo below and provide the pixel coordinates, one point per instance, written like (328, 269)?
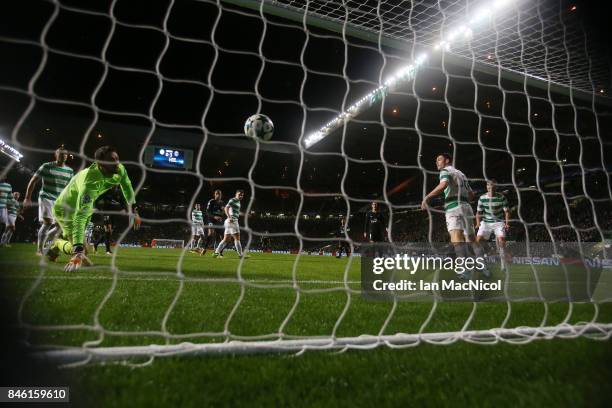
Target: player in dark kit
(97, 233)
(375, 227)
(106, 235)
(214, 218)
(343, 246)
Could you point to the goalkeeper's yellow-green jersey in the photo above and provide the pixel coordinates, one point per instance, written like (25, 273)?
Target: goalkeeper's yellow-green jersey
(74, 205)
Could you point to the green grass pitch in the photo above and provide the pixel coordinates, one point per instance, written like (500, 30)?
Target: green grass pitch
(550, 372)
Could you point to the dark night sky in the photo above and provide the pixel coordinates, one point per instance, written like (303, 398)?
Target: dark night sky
(189, 73)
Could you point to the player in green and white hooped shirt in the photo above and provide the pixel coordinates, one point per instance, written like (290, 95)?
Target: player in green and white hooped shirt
(74, 206)
(13, 208)
(5, 194)
(232, 229)
(459, 215)
(493, 215)
(197, 227)
(54, 176)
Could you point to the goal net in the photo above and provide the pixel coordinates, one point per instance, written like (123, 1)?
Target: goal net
(364, 95)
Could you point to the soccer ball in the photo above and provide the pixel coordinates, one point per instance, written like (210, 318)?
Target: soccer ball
(259, 126)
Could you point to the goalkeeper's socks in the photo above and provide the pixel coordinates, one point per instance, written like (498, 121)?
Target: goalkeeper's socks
(238, 246)
(221, 247)
(63, 245)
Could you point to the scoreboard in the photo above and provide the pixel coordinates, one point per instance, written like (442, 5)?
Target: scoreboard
(168, 157)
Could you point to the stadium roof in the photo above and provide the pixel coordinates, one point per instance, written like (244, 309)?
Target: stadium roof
(547, 40)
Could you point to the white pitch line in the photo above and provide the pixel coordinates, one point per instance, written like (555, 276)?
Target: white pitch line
(176, 279)
(212, 280)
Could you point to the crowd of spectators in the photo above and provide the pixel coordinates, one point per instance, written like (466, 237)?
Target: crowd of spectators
(284, 232)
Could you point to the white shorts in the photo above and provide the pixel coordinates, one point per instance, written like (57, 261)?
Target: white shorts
(231, 227)
(45, 209)
(88, 237)
(486, 228)
(197, 229)
(3, 216)
(461, 218)
(11, 220)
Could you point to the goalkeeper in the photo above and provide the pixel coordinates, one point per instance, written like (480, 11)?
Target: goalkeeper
(74, 206)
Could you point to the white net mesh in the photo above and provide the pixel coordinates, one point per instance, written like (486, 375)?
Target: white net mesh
(521, 96)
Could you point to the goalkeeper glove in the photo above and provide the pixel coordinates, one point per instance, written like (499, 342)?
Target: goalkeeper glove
(78, 259)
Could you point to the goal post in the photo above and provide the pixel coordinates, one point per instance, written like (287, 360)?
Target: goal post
(522, 335)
